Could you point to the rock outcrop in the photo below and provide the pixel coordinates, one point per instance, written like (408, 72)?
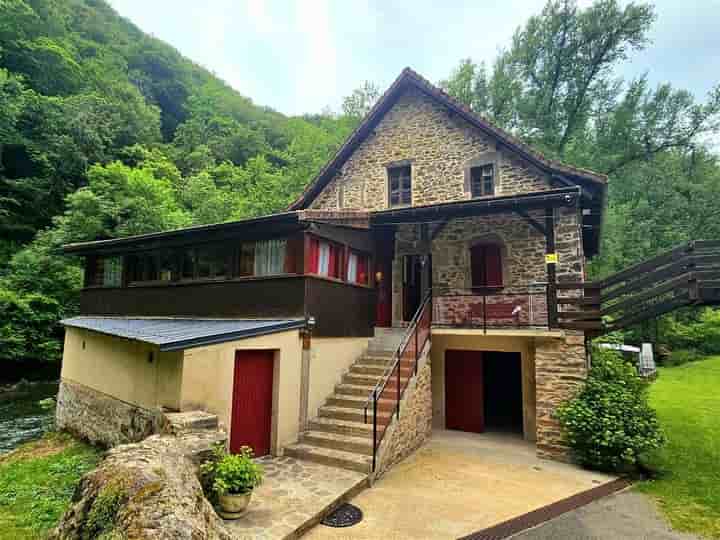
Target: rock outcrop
(146, 490)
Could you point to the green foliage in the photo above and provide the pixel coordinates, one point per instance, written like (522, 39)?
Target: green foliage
(29, 327)
(609, 424)
(102, 516)
(679, 357)
(557, 88)
(37, 483)
(234, 474)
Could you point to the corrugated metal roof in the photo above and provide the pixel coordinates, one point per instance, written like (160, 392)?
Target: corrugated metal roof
(176, 334)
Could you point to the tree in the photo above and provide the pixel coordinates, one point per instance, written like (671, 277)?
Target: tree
(359, 103)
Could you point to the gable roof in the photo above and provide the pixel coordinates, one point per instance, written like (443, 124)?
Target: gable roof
(409, 78)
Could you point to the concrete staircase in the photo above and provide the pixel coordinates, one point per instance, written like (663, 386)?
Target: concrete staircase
(338, 436)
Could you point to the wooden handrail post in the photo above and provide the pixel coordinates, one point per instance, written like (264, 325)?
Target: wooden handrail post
(551, 270)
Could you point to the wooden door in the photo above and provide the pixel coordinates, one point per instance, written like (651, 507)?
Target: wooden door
(464, 400)
(252, 401)
(412, 285)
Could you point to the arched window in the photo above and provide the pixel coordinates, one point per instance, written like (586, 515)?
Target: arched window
(486, 266)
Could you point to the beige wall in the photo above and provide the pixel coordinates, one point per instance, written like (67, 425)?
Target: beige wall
(121, 368)
(473, 340)
(208, 374)
(330, 359)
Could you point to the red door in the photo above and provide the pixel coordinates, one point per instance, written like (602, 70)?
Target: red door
(464, 400)
(252, 401)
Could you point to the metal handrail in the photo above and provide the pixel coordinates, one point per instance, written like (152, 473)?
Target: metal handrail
(382, 384)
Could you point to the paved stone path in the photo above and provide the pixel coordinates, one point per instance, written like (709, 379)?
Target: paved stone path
(628, 515)
(294, 496)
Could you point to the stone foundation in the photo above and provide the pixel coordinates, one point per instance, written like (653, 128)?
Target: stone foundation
(415, 423)
(560, 371)
(102, 419)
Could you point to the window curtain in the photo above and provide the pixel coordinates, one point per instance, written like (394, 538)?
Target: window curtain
(323, 267)
(352, 272)
(112, 271)
(269, 257)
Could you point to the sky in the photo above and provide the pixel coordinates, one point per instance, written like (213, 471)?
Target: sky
(301, 56)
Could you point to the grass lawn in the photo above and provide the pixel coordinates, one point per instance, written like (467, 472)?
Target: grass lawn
(687, 399)
(37, 481)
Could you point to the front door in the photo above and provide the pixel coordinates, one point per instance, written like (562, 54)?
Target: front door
(252, 401)
(415, 268)
(464, 400)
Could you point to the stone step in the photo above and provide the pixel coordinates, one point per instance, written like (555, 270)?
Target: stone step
(359, 379)
(379, 360)
(369, 369)
(337, 441)
(354, 415)
(327, 456)
(182, 422)
(354, 389)
(358, 402)
(342, 427)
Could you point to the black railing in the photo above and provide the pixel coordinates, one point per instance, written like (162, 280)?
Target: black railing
(484, 309)
(384, 400)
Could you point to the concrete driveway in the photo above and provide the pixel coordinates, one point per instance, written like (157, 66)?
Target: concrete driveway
(459, 483)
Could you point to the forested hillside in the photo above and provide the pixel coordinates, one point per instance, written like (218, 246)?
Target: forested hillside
(106, 131)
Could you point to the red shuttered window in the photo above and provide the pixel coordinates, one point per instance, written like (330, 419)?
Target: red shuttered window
(486, 266)
(357, 268)
(326, 258)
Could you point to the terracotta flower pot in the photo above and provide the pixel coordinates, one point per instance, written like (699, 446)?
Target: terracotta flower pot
(232, 506)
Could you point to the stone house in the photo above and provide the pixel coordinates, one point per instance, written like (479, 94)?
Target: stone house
(434, 266)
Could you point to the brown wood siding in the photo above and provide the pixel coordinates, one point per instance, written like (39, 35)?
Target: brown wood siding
(263, 298)
(340, 310)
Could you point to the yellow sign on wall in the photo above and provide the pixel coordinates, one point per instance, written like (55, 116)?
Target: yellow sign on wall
(551, 258)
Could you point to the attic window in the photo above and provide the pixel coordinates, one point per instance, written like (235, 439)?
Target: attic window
(400, 188)
(482, 180)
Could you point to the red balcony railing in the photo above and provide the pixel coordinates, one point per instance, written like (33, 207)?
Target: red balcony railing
(486, 309)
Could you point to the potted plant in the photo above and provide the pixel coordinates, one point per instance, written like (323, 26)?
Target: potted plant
(232, 477)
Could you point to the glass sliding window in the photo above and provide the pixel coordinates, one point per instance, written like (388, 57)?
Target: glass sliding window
(357, 268)
(326, 259)
(269, 257)
(247, 259)
(112, 271)
(187, 260)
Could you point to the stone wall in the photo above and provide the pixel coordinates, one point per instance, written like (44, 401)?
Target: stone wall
(560, 371)
(414, 426)
(102, 419)
(439, 147)
(523, 258)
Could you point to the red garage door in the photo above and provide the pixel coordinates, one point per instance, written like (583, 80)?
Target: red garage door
(252, 401)
(464, 401)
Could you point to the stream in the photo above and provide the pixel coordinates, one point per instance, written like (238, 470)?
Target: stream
(27, 411)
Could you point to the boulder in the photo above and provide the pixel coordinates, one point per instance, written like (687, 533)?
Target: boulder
(146, 490)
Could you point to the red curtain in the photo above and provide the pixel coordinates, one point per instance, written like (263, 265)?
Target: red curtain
(314, 255)
(362, 269)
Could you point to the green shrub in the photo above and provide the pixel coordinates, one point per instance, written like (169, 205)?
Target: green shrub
(610, 424)
(679, 357)
(231, 473)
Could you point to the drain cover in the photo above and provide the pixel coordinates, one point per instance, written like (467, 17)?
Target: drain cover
(345, 515)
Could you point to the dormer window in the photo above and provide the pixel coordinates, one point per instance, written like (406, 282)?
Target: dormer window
(400, 189)
(482, 180)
